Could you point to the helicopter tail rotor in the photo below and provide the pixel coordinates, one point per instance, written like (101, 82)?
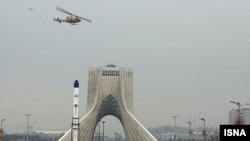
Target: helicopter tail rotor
(57, 19)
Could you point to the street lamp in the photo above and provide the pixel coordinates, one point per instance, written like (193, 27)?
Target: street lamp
(204, 128)
(238, 104)
(103, 130)
(190, 130)
(28, 115)
(99, 134)
(2, 120)
(174, 127)
(238, 120)
(1, 130)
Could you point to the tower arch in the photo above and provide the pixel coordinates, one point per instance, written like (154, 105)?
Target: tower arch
(109, 106)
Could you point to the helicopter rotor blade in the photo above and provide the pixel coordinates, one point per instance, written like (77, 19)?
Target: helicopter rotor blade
(62, 10)
(88, 20)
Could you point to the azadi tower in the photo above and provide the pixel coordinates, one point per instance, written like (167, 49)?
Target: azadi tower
(110, 92)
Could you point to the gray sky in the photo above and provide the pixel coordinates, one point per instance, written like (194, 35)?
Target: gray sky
(189, 57)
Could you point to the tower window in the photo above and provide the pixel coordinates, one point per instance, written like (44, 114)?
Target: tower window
(110, 72)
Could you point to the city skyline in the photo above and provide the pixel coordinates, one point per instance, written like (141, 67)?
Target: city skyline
(190, 58)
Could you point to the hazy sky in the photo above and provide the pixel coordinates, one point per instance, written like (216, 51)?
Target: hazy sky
(190, 57)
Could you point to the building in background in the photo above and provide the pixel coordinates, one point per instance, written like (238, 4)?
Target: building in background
(244, 112)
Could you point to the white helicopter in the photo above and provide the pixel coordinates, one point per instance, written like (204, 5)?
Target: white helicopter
(72, 19)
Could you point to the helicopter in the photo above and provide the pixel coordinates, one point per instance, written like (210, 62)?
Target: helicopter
(72, 19)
